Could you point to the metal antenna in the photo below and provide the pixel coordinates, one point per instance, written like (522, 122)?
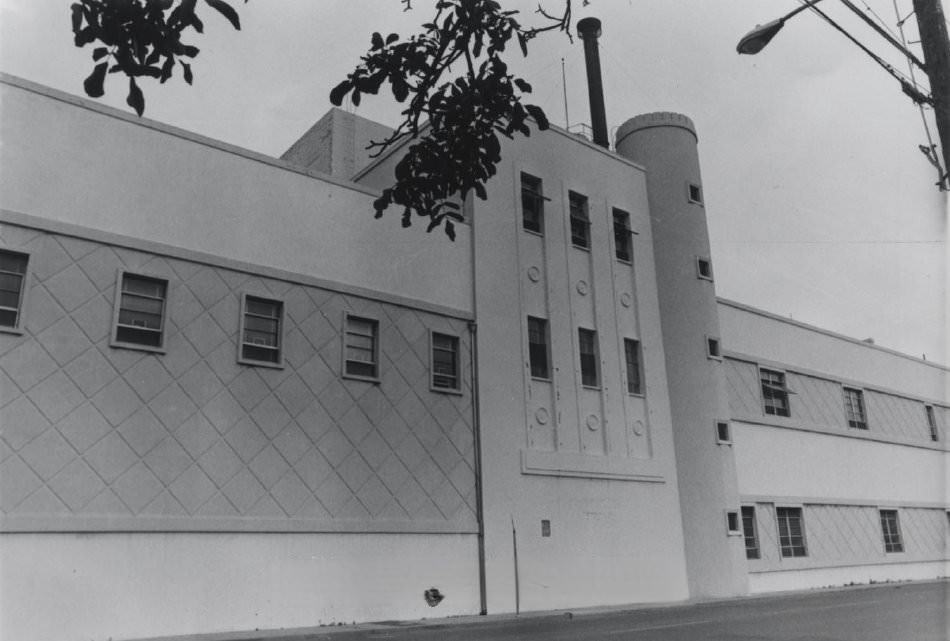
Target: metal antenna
(567, 120)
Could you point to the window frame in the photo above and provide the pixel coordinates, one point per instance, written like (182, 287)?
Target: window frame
(700, 261)
(932, 423)
(723, 440)
(638, 352)
(582, 220)
(114, 340)
(855, 410)
(891, 531)
(595, 356)
(696, 199)
(546, 325)
(345, 373)
(20, 309)
(457, 341)
(623, 230)
(755, 551)
(733, 518)
(799, 512)
(713, 348)
(538, 197)
(783, 391)
(281, 330)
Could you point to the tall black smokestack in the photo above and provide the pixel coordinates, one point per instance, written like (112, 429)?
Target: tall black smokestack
(589, 31)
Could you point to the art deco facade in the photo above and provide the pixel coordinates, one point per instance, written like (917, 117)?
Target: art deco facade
(232, 400)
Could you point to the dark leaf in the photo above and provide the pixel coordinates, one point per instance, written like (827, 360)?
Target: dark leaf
(450, 230)
(99, 52)
(522, 85)
(400, 89)
(93, 84)
(339, 92)
(227, 11)
(167, 69)
(539, 116)
(77, 17)
(391, 38)
(189, 51)
(186, 71)
(377, 41)
(135, 98)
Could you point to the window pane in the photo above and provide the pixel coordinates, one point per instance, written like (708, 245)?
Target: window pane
(144, 286)
(139, 336)
(774, 393)
(532, 203)
(261, 307)
(9, 299)
(580, 225)
(622, 239)
(538, 347)
(8, 318)
(854, 408)
(360, 347)
(140, 319)
(13, 262)
(444, 361)
(791, 536)
(632, 352)
(588, 352)
(259, 353)
(749, 532)
(258, 324)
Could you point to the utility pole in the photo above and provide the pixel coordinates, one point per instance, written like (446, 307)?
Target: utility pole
(936, 45)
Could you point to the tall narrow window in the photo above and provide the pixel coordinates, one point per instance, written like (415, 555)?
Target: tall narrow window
(580, 221)
(932, 423)
(749, 532)
(361, 348)
(587, 340)
(623, 239)
(631, 350)
(774, 392)
(140, 311)
(261, 330)
(854, 408)
(538, 347)
(12, 279)
(891, 529)
(532, 203)
(791, 532)
(445, 362)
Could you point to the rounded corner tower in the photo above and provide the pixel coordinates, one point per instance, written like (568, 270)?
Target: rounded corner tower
(665, 144)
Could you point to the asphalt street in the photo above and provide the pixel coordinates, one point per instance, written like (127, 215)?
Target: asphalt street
(891, 612)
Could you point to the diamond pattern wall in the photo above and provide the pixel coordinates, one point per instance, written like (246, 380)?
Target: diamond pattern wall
(819, 403)
(838, 535)
(88, 429)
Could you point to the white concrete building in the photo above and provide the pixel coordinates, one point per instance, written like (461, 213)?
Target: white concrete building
(230, 399)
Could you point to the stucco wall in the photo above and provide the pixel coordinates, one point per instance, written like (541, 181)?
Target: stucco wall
(117, 173)
(59, 587)
(606, 484)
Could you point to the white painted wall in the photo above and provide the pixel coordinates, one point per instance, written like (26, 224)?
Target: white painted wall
(612, 541)
(859, 574)
(77, 587)
(113, 174)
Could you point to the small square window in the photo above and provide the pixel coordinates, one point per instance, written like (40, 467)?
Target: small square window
(750, 532)
(695, 193)
(590, 374)
(704, 268)
(580, 221)
(854, 408)
(733, 524)
(723, 434)
(891, 530)
(532, 204)
(623, 236)
(538, 347)
(932, 423)
(791, 531)
(545, 528)
(12, 288)
(713, 349)
(631, 349)
(445, 362)
(361, 348)
(140, 307)
(261, 331)
(774, 392)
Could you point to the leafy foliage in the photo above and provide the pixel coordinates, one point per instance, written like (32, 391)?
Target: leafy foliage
(139, 38)
(453, 123)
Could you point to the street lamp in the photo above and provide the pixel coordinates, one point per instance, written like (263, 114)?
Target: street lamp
(754, 41)
(936, 45)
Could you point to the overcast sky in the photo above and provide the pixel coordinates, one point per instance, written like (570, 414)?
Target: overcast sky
(820, 205)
